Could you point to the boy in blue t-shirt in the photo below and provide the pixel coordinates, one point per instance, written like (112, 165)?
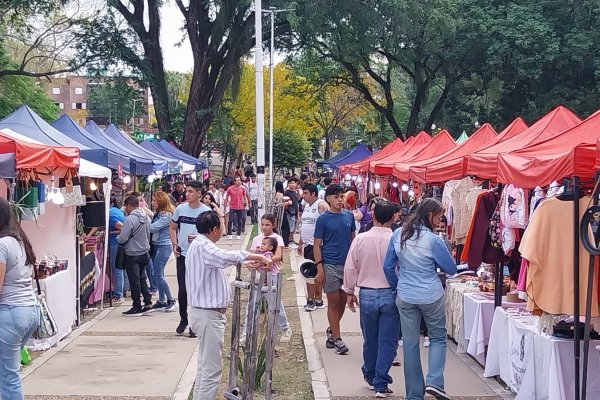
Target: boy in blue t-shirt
(334, 232)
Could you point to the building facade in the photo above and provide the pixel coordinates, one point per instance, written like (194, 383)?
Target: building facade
(71, 95)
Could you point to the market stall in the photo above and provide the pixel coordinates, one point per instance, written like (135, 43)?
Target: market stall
(56, 279)
(412, 147)
(363, 166)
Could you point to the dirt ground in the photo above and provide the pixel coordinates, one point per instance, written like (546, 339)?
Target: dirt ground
(291, 378)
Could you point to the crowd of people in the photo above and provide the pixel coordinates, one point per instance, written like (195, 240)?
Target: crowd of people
(362, 252)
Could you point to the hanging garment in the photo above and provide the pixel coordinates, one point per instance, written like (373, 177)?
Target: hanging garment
(514, 208)
(548, 245)
(481, 249)
(462, 218)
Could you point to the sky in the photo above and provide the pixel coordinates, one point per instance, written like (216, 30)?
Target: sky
(179, 58)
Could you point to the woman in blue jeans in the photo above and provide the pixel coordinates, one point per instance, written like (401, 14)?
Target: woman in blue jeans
(19, 309)
(161, 249)
(417, 252)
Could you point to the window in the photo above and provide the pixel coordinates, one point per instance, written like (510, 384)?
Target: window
(55, 90)
(73, 106)
(78, 90)
(79, 106)
(141, 121)
(83, 106)
(61, 106)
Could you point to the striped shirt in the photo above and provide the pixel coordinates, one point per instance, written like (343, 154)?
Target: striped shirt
(205, 278)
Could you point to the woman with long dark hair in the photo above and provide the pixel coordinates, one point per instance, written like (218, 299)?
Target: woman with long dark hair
(19, 309)
(417, 251)
(285, 226)
(209, 200)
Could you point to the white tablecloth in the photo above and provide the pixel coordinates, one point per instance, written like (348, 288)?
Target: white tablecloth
(478, 315)
(536, 366)
(60, 298)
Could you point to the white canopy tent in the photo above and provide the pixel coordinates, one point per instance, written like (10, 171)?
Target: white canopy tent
(54, 232)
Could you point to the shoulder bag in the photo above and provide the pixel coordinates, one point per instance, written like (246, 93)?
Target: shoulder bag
(47, 327)
(120, 259)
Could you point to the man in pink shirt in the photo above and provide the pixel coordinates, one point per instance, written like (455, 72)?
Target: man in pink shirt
(379, 318)
(237, 199)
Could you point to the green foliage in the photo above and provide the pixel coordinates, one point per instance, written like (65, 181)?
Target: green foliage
(17, 90)
(115, 100)
(290, 149)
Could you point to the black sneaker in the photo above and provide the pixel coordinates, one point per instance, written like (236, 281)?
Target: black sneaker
(181, 327)
(310, 306)
(147, 308)
(382, 394)
(340, 346)
(192, 333)
(320, 304)
(439, 394)
(158, 306)
(171, 306)
(132, 312)
(329, 343)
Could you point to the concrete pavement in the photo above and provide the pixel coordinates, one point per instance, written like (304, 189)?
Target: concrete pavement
(114, 357)
(340, 377)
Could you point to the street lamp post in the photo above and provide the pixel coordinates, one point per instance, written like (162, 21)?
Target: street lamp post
(260, 108)
(272, 11)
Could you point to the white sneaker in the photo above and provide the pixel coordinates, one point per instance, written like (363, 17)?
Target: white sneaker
(238, 237)
(286, 335)
(426, 342)
(400, 343)
(230, 237)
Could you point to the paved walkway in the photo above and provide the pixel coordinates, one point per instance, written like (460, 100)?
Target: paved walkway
(340, 377)
(113, 357)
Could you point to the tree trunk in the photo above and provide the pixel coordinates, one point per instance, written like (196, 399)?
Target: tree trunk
(198, 116)
(438, 105)
(327, 151)
(413, 121)
(391, 118)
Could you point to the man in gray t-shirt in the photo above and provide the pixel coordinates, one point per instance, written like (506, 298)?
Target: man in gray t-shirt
(183, 231)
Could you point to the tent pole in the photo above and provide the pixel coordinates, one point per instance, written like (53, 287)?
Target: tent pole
(78, 278)
(576, 313)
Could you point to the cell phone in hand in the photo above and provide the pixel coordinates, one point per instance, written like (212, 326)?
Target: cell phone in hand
(178, 248)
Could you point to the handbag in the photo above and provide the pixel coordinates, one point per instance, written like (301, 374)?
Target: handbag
(47, 327)
(120, 259)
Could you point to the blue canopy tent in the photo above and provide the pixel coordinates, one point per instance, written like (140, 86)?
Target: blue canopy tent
(27, 123)
(159, 161)
(164, 147)
(357, 154)
(186, 167)
(326, 163)
(138, 165)
(66, 125)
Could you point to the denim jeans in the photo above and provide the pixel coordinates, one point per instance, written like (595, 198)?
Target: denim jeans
(119, 278)
(236, 221)
(182, 290)
(434, 315)
(136, 268)
(159, 259)
(379, 323)
(152, 281)
(17, 323)
(254, 211)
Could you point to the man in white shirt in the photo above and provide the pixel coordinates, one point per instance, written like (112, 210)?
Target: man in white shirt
(182, 230)
(326, 181)
(208, 290)
(252, 187)
(313, 207)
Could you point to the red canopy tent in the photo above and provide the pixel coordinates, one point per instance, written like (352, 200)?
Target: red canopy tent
(572, 153)
(514, 128)
(482, 137)
(363, 166)
(483, 164)
(441, 143)
(384, 165)
(453, 168)
(31, 156)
